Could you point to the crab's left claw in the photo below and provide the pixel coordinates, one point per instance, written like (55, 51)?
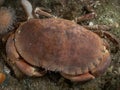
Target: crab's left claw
(78, 78)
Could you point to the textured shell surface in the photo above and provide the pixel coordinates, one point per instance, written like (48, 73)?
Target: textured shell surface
(59, 45)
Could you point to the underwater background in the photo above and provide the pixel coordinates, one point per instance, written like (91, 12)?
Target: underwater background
(108, 12)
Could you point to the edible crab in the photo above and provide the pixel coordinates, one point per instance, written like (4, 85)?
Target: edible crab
(55, 44)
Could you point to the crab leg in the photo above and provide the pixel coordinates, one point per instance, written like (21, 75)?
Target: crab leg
(78, 78)
(88, 16)
(101, 27)
(111, 37)
(17, 63)
(38, 11)
(98, 27)
(27, 69)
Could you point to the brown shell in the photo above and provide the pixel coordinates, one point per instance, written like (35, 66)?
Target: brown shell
(59, 45)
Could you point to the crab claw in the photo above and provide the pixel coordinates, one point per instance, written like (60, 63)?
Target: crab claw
(29, 70)
(79, 78)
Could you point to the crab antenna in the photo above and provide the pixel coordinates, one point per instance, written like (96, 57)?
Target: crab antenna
(28, 8)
